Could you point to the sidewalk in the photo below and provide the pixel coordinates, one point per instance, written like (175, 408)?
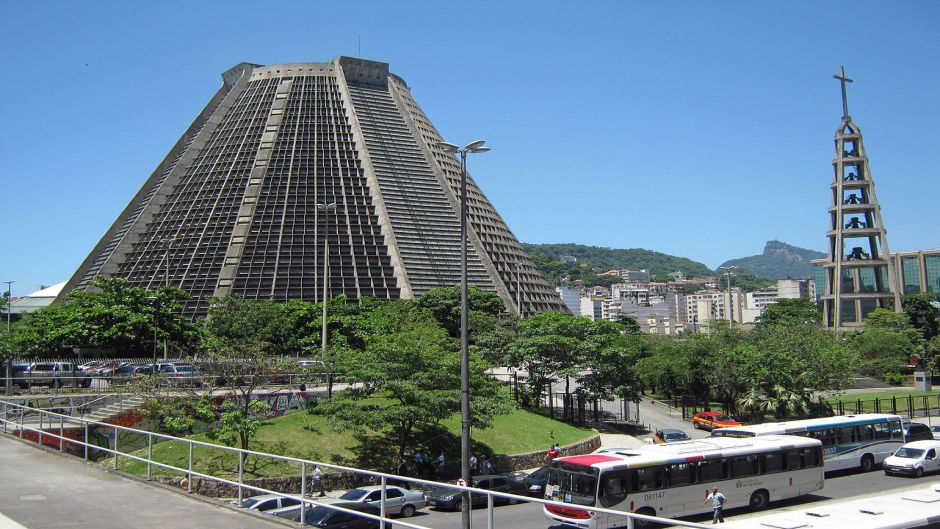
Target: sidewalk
(39, 489)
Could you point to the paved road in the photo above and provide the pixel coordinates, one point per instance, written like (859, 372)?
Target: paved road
(39, 490)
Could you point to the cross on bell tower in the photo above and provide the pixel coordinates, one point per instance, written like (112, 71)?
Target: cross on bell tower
(859, 274)
(845, 98)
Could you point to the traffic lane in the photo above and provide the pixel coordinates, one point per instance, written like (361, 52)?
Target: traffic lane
(839, 486)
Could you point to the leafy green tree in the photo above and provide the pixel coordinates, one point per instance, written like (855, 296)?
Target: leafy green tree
(444, 305)
(786, 366)
(789, 312)
(631, 326)
(550, 345)
(922, 313)
(408, 378)
(111, 315)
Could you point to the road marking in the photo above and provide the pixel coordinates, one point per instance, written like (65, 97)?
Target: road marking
(6, 523)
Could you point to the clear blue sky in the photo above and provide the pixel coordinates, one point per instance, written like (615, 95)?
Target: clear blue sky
(700, 129)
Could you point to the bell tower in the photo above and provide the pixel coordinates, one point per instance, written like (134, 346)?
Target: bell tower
(858, 271)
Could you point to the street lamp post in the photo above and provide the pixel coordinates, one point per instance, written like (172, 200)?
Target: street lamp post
(728, 271)
(474, 147)
(166, 283)
(326, 209)
(153, 301)
(9, 292)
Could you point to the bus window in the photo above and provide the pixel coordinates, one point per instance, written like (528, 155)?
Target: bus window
(845, 435)
(648, 478)
(710, 471)
(793, 459)
(809, 457)
(773, 462)
(679, 474)
(614, 487)
(742, 466)
(883, 430)
(896, 432)
(866, 432)
(826, 436)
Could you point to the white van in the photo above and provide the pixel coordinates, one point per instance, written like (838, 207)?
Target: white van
(916, 458)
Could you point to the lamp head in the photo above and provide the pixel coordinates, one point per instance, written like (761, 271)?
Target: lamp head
(448, 147)
(476, 146)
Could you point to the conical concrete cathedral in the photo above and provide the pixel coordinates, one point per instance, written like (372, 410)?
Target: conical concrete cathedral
(859, 276)
(289, 161)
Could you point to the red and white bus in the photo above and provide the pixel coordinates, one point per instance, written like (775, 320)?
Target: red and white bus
(671, 480)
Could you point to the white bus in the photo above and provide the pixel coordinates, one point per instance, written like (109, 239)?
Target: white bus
(671, 480)
(849, 441)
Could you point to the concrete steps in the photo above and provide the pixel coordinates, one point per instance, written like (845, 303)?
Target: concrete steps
(114, 409)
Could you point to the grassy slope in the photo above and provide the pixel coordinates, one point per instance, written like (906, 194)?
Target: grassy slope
(307, 436)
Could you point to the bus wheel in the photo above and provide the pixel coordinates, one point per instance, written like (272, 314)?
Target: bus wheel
(759, 500)
(639, 522)
(868, 463)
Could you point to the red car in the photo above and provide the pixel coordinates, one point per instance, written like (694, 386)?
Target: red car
(709, 420)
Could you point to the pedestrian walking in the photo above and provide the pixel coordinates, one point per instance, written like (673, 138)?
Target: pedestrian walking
(439, 462)
(422, 463)
(402, 470)
(317, 481)
(551, 454)
(473, 464)
(486, 467)
(718, 502)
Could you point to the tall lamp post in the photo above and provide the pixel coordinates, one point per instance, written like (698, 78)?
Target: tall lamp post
(166, 283)
(326, 209)
(728, 272)
(474, 147)
(9, 292)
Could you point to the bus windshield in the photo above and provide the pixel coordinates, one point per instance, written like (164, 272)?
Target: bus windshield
(569, 483)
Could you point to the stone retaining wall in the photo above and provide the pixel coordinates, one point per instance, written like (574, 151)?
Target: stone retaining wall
(348, 480)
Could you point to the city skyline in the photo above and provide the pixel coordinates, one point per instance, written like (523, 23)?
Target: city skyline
(697, 131)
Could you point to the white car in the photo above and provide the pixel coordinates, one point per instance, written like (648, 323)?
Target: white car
(935, 430)
(269, 502)
(397, 500)
(916, 459)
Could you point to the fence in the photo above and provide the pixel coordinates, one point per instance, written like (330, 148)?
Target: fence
(911, 405)
(43, 425)
(573, 406)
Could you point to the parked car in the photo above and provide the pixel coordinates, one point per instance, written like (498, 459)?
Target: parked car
(670, 435)
(917, 431)
(268, 502)
(179, 374)
(326, 518)
(935, 429)
(17, 375)
(535, 482)
(397, 500)
(916, 459)
(54, 374)
(709, 420)
(445, 498)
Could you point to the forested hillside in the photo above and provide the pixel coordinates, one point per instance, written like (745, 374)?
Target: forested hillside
(593, 260)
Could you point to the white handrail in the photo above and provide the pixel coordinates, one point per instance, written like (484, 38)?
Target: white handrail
(383, 477)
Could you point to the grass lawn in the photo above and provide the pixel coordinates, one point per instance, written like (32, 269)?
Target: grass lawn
(852, 398)
(307, 436)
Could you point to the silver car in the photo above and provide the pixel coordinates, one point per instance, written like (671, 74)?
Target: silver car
(269, 502)
(397, 500)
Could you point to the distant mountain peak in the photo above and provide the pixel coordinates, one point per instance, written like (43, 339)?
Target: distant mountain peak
(779, 261)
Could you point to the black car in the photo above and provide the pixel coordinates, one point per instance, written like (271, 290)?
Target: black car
(536, 480)
(326, 518)
(917, 431)
(445, 498)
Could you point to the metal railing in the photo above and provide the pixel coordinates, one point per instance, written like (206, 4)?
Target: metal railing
(47, 419)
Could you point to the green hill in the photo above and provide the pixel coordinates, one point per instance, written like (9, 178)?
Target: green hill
(779, 261)
(592, 260)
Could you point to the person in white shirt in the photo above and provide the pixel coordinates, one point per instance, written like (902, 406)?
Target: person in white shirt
(718, 502)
